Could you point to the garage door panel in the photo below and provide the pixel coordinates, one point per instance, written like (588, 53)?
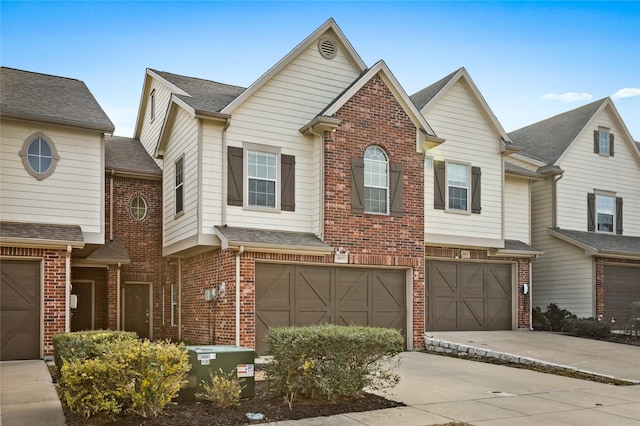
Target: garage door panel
(468, 296)
(621, 288)
(20, 310)
(325, 294)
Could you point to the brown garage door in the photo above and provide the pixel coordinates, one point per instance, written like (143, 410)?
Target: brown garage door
(20, 310)
(306, 295)
(468, 296)
(621, 287)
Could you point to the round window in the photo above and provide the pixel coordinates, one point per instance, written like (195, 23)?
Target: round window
(39, 156)
(138, 207)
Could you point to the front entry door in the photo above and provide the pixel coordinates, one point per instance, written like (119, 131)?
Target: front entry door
(137, 315)
(82, 316)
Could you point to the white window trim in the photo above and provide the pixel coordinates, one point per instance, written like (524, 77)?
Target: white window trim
(146, 207)
(152, 107)
(246, 147)
(175, 187)
(25, 160)
(605, 194)
(174, 304)
(446, 188)
(601, 131)
(386, 188)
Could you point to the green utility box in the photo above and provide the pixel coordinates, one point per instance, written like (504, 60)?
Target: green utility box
(205, 359)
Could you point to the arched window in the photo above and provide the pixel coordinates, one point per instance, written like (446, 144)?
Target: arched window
(376, 181)
(39, 156)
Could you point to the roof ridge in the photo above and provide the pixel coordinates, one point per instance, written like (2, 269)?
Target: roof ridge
(195, 78)
(41, 73)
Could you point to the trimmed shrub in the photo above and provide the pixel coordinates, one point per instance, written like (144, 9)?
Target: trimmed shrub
(84, 344)
(132, 375)
(223, 390)
(554, 319)
(589, 327)
(331, 362)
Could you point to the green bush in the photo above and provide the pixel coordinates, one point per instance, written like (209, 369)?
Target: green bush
(330, 362)
(84, 344)
(132, 375)
(223, 390)
(589, 327)
(554, 319)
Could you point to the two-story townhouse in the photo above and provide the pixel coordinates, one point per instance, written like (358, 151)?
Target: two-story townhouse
(298, 200)
(51, 202)
(477, 212)
(120, 285)
(586, 211)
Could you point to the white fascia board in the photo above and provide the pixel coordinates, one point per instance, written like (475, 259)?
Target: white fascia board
(329, 25)
(526, 159)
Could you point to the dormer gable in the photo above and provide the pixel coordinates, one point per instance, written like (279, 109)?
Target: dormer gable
(430, 95)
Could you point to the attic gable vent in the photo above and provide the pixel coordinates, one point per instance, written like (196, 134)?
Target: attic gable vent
(327, 48)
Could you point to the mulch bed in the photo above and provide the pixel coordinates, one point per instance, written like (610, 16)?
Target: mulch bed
(185, 412)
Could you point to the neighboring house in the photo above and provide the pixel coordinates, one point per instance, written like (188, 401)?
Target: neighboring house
(586, 211)
(298, 200)
(477, 214)
(51, 202)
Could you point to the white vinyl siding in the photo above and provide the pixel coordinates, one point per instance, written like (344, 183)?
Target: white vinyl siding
(184, 142)
(563, 274)
(150, 131)
(587, 173)
(517, 209)
(469, 140)
(211, 167)
(273, 117)
(72, 195)
(531, 167)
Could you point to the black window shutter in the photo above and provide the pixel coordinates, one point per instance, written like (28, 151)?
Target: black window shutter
(619, 215)
(357, 185)
(611, 144)
(438, 185)
(235, 161)
(288, 186)
(596, 142)
(591, 212)
(396, 189)
(476, 200)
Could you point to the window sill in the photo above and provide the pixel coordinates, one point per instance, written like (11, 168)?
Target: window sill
(261, 209)
(178, 215)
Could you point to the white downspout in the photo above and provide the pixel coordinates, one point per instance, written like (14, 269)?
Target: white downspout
(118, 296)
(67, 290)
(238, 254)
(179, 298)
(321, 183)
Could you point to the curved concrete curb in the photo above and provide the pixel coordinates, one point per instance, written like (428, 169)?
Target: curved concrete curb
(438, 346)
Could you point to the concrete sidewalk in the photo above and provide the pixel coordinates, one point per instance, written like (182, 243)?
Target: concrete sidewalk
(27, 395)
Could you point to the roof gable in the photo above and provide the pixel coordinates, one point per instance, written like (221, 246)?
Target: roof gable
(550, 140)
(328, 28)
(50, 99)
(427, 97)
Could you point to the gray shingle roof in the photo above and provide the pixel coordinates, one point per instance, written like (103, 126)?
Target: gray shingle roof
(128, 155)
(41, 97)
(204, 95)
(602, 243)
(514, 169)
(274, 239)
(548, 139)
(517, 245)
(424, 96)
(40, 231)
(111, 252)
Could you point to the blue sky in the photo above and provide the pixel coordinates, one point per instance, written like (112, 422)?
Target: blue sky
(530, 60)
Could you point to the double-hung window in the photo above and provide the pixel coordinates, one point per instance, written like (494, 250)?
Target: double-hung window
(376, 181)
(179, 185)
(605, 212)
(262, 178)
(458, 187)
(603, 142)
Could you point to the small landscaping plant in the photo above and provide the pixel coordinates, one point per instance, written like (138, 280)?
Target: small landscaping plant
(589, 327)
(222, 389)
(554, 319)
(331, 362)
(85, 344)
(117, 375)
